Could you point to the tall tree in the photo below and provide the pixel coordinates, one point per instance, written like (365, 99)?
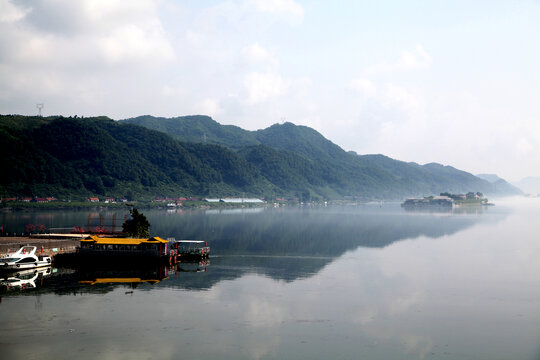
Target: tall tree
(138, 226)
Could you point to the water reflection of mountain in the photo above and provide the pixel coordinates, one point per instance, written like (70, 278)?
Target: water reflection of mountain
(195, 276)
(291, 244)
(326, 232)
(283, 244)
(284, 268)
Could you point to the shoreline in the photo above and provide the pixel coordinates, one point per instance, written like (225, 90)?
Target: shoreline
(21, 206)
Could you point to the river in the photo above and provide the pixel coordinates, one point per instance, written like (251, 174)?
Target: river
(369, 281)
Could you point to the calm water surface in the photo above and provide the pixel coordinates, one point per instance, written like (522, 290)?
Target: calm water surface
(322, 283)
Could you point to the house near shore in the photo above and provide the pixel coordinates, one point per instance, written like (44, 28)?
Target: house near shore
(44, 200)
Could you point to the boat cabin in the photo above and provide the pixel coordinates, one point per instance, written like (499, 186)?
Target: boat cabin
(191, 248)
(154, 246)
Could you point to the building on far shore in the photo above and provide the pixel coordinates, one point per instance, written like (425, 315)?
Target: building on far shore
(236, 200)
(442, 201)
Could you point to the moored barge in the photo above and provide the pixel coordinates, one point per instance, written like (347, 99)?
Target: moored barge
(95, 249)
(151, 247)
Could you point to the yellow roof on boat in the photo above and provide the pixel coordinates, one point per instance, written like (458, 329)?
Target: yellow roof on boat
(120, 280)
(123, 241)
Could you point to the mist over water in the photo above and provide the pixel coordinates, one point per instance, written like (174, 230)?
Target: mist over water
(372, 282)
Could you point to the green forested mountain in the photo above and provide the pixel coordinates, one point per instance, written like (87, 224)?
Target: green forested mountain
(67, 156)
(58, 156)
(334, 169)
(198, 129)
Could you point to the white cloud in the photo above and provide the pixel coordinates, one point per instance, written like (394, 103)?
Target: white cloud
(77, 32)
(280, 6)
(394, 95)
(364, 86)
(264, 86)
(10, 12)
(82, 56)
(134, 43)
(209, 107)
(193, 37)
(523, 147)
(118, 10)
(255, 53)
(409, 60)
(390, 94)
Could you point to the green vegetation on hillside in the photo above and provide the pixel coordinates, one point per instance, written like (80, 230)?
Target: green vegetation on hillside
(72, 158)
(337, 172)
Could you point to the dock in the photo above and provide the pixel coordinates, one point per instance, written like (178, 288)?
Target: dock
(45, 246)
(58, 236)
(77, 249)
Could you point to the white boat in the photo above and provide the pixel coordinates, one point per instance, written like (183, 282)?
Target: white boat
(24, 258)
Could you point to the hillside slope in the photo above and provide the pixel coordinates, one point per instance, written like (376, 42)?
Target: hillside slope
(67, 156)
(74, 157)
(345, 172)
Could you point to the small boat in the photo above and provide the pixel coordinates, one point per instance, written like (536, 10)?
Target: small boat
(24, 258)
(191, 248)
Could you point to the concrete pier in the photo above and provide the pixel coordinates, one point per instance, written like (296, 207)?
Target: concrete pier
(45, 246)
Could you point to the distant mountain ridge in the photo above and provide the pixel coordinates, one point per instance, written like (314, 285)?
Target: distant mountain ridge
(489, 177)
(387, 176)
(196, 156)
(501, 185)
(530, 185)
(197, 129)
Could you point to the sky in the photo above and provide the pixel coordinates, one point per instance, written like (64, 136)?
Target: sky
(454, 82)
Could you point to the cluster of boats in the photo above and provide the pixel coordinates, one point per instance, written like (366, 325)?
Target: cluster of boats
(122, 257)
(98, 249)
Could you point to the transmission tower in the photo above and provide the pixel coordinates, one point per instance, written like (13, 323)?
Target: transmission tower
(39, 107)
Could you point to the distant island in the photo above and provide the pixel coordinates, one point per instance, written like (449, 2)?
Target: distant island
(146, 158)
(447, 200)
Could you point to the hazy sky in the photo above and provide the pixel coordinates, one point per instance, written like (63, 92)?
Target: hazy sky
(454, 82)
